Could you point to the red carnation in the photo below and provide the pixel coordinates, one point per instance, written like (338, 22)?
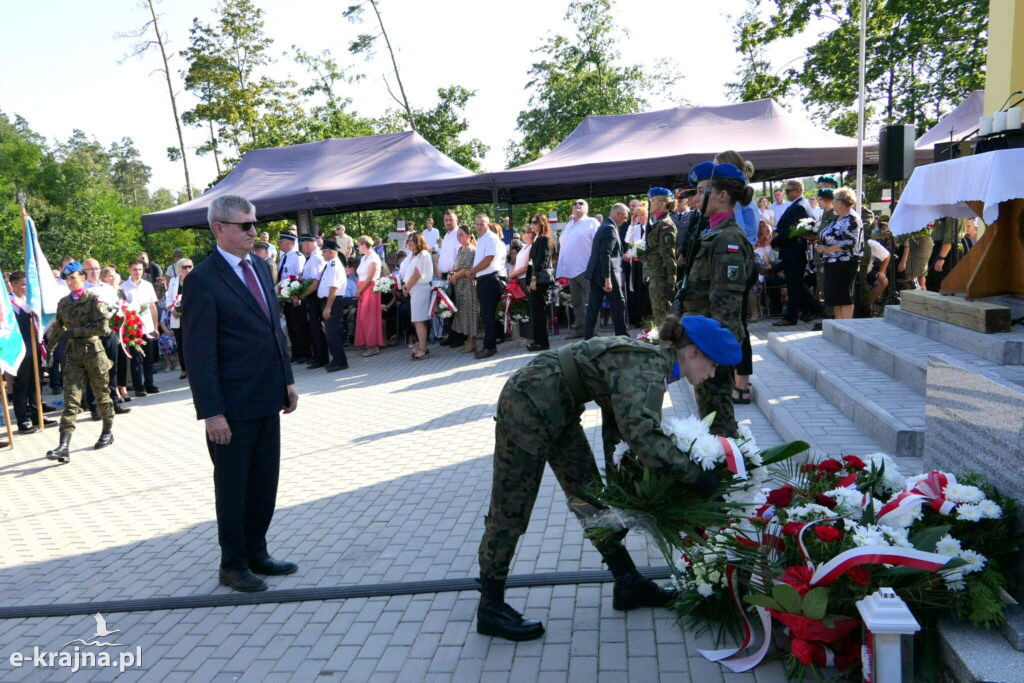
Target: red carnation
(828, 533)
(831, 466)
(860, 575)
(792, 528)
(854, 462)
(826, 501)
(799, 577)
(781, 497)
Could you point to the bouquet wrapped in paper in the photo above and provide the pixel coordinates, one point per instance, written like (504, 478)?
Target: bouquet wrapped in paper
(805, 227)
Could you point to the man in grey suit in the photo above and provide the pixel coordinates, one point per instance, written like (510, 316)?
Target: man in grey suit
(604, 272)
(241, 381)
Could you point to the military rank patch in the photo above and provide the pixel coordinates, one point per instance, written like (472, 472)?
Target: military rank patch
(732, 248)
(732, 272)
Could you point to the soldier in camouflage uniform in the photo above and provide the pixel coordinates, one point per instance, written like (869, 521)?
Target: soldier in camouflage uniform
(81, 322)
(660, 253)
(718, 281)
(538, 422)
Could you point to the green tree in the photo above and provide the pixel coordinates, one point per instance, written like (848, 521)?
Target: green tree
(128, 174)
(578, 76)
(442, 126)
(924, 57)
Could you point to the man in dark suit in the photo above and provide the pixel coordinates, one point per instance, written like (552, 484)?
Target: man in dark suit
(793, 257)
(604, 271)
(241, 380)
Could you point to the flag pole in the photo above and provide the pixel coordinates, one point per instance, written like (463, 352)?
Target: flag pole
(32, 327)
(7, 415)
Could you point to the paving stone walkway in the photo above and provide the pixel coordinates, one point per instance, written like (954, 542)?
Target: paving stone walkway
(385, 477)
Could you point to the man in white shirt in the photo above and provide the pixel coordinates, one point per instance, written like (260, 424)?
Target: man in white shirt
(311, 304)
(271, 249)
(431, 234)
(332, 283)
(142, 297)
(574, 246)
(488, 265)
(345, 243)
(878, 277)
(816, 210)
(779, 206)
(290, 264)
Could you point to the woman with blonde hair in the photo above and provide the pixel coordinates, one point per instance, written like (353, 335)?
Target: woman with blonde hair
(419, 273)
(841, 245)
(369, 325)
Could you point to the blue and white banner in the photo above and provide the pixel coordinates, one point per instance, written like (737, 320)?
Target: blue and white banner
(43, 290)
(12, 345)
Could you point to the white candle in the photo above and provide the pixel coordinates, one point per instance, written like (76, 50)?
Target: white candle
(999, 122)
(985, 125)
(1013, 118)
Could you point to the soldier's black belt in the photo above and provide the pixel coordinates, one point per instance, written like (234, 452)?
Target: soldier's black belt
(571, 374)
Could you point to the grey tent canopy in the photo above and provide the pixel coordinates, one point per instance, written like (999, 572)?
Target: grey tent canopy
(627, 153)
(335, 175)
(955, 125)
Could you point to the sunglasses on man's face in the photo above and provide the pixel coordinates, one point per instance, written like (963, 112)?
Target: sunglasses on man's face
(244, 227)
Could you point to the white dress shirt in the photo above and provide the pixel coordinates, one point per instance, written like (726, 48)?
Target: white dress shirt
(314, 264)
(103, 292)
(490, 245)
(290, 263)
(634, 234)
(333, 275)
(139, 296)
(574, 246)
(522, 258)
(433, 236)
(236, 267)
(449, 251)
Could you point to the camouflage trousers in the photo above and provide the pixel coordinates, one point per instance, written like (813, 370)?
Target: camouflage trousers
(662, 292)
(86, 364)
(715, 396)
(517, 475)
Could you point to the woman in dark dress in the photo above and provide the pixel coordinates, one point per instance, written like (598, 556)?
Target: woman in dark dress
(539, 278)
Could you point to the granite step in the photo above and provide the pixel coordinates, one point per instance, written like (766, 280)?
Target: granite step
(886, 410)
(798, 411)
(1004, 348)
(976, 655)
(901, 354)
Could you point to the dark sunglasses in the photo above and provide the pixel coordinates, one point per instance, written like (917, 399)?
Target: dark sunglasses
(579, 203)
(185, 267)
(534, 222)
(245, 227)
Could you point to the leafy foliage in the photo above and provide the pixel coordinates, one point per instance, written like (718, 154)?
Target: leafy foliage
(578, 76)
(924, 57)
(442, 126)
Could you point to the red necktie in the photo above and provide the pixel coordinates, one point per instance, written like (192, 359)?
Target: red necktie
(254, 287)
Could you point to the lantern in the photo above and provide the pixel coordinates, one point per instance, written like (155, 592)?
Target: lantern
(888, 625)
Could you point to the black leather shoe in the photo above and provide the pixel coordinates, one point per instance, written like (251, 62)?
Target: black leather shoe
(640, 593)
(152, 390)
(242, 580)
(140, 394)
(498, 619)
(271, 567)
(537, 347)
(334, 367)
(315, 364)
(27, 429)
(121, 410)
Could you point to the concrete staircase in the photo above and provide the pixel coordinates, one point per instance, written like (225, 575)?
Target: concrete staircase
(859, 386)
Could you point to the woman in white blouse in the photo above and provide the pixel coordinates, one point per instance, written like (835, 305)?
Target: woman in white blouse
(172, 301)
(369, 324)
(419, 273)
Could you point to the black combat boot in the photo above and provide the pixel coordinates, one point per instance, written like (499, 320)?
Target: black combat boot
(106, 436)
(494, 617)
(60, 453)
(632, 590)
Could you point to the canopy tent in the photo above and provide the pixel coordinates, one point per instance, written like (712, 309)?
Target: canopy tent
(334, 175)
(628, 153)
(953, 126)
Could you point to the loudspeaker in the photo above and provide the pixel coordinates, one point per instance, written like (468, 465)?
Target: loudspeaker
(896, 153)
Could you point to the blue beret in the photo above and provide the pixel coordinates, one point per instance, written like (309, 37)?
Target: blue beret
(286, 236)
(714, 341)
(307, 238)
(72, 267)
(701, 171)
(660, 192)
(728, 171)
(828, 179)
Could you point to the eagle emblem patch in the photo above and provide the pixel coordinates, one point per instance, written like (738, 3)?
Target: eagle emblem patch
(732, 272)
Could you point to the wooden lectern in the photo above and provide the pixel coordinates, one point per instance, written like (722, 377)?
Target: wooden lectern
(995, 265)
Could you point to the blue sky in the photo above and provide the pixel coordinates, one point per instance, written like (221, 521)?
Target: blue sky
(61, 71)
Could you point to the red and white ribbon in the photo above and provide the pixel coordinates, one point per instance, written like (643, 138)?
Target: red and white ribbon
(730, 657)
(438, 295)
(929, 490)
(830, 571)
(733, 457)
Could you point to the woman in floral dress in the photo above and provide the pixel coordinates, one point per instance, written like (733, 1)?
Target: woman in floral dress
(464, 322)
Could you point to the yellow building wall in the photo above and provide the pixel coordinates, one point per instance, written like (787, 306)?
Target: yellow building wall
(1005, 67)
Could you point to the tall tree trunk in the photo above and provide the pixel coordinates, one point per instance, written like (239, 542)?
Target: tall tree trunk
(394, 63)
(170, 92)
(213, 144)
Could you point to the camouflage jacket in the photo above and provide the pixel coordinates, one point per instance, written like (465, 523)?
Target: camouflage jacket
(83, 318)
(718, 278)
(660, 249)
(626, 378)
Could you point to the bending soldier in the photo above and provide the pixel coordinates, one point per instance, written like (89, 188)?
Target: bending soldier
(660, 253)
(538, 422)
(719, 278)
(82, 323)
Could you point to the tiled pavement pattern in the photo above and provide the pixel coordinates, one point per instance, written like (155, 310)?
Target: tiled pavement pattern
(385, 477)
